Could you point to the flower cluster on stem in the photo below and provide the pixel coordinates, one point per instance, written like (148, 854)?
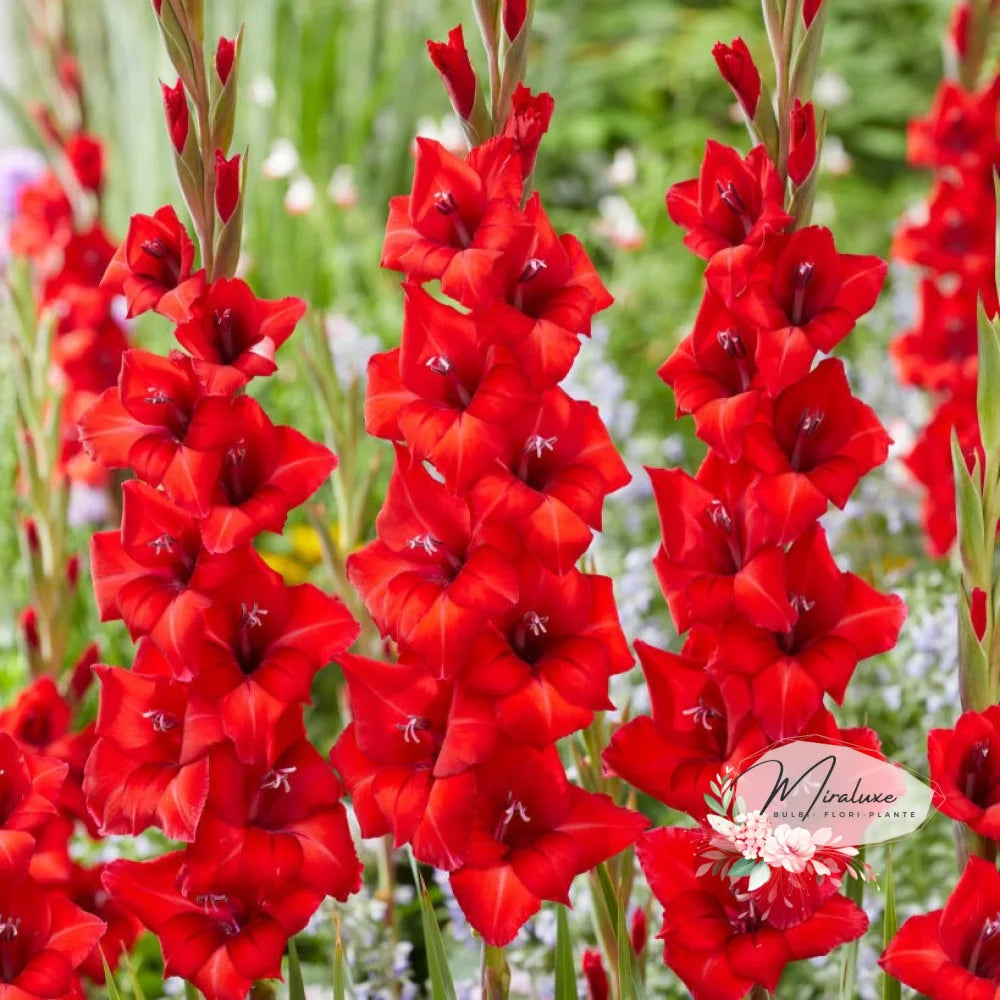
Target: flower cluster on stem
(504, 646)
(953, 247)
(204, 736)
(774, 625)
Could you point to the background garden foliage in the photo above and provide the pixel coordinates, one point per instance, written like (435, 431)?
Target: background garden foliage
(332, 94)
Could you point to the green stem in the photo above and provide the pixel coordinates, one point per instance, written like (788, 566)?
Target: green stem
(784, 71)
(496, 973)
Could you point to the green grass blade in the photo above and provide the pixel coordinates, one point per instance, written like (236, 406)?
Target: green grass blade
(849, 967)
(565, 967)
(296, 988)
(109, 979)
(442, 985)
(891, 988)
(630, 982)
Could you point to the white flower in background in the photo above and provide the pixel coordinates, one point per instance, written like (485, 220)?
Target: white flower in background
(447, 131)
(87, 505)
(261, 90)
(350, 348)
(341, 189)
(282, 160)
(831, 90)
(834, 158)
(622, 171)
(618, 223)
(300, 196)
(789, 848)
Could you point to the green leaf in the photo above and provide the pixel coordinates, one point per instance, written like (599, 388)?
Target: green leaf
(629, 980)
(189, 991)
(759, 876)
(296, 989)
(714, 804)
(565, 967)
(987, 397)
(442, 985)
(742, 867)
(807, 57)
(224, 106)
(969, 508)
(109, 979)
(891, 988)
(339, 969)
(855, 890)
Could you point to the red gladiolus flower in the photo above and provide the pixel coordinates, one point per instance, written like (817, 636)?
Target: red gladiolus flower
(433, 577)
(812, 447)
(459, 218)
(268, 825)
(953, 952)
(263, 645)
(39, 717)
(637, 931)
(930, 464)
(159, 421)
(779, 679)
(718, 945)
(965, 770)
(154, 574)
(221, 941)
(592, 964)
(534, 833)
(406, 758)
(804, 297)
(233, 336)
(225, 54)
(86, 157)
(44, 220)
(738, 70)
(547, 303)
(121, 928)
(152, 267)
(715, 560)
(545, 664)
(175, 106)
(442, 393)
(451, 60)
(939, 352)
(29, 788)
(714, 377)
(267, 471)
(150, 766)
(733, 200)
(227, 184)
(45, 939)
(527, 123)
(802, 141)
(552, 481)
(959, 131)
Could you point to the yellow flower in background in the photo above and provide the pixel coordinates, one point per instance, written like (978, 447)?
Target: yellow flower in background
(306, 553)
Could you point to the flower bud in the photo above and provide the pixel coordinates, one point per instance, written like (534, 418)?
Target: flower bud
(958, 29)
(83, 671)
(29, 628)
(802, 141)
(68, 71)
(31, 535)
(157, 5)
(597, 979)
(86, 157)
(227, 184)
(638, 931)
(451, 60)
(527, 122)
(73, 570)
(514, 14)
(810, 8)
(977, 612)
(225, 53)
(178, 119)
(738, 70)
